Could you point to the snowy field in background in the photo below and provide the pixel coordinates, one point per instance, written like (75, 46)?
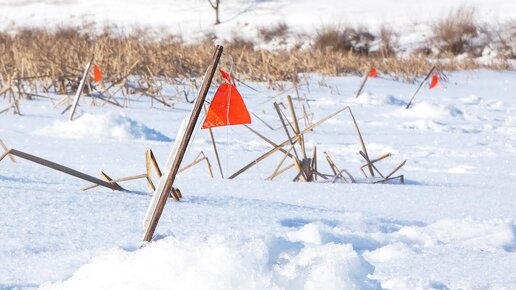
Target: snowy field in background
(193, 19)
(451, 226)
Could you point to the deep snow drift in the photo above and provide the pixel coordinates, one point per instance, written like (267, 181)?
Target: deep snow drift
(451, 226)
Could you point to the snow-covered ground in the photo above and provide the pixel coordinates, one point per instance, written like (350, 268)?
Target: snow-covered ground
(451, 226)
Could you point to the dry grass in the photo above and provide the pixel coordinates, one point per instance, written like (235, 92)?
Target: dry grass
(58, 57)
(455, 34)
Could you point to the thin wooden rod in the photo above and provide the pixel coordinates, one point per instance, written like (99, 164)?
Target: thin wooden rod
(267, 140)
(116, 180)
(212, 137)
(420, 86)
(362, 84)
(362, 144)
(64, 169)
(80, 88)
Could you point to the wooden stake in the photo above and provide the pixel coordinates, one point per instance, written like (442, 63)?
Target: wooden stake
(178, 158)
(80, 88)
(362, 84)
(420, 86)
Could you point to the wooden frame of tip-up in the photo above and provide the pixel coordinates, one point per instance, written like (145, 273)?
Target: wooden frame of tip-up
(166, 182)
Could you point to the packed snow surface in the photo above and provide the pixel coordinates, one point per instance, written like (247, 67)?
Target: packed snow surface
(450, 226)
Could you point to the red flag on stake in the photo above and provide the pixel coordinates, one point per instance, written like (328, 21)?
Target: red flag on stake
(225, 75)
(435, 81)
(227, 107)
(373, 72)
(97, 74)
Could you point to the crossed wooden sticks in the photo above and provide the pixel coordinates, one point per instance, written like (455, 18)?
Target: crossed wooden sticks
(307, 167)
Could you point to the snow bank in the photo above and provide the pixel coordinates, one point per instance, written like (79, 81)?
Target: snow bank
(378, 100)
(490, 235)
(425, 110)
(115, 126)
(217, 262)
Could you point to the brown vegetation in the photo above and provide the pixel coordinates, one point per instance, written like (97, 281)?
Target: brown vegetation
(458, 33)
(58, 57)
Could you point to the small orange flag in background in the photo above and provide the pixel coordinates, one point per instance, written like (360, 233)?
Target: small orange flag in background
(227, 107)
(373, 72)
(435, 81)
(97, 74)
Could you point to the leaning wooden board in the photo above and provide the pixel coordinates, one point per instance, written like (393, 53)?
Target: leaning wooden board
(176, 156)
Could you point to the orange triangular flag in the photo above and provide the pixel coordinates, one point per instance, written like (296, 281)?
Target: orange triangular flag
(97, 74)
(435, 81)
(227, 108)
(225, 75)
(373, 72)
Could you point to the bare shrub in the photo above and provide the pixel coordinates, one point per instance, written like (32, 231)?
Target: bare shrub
(239, 42)
(274, 32)
(349, 39)
(455, 33)
(506, 40)
(388, 42)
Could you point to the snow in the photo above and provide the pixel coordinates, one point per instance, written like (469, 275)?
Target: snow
(102, 127)
(194, 19)
(451, 226)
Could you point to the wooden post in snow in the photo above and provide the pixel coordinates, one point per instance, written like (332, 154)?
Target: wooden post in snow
(362, 84)
(420, 86)
(80, 88)
(162, 192)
